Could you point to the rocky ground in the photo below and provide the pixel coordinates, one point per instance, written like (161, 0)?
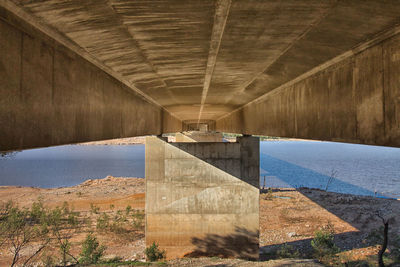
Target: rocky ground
(287, 216)
(216, 262)
(118, 191)
(292, 217)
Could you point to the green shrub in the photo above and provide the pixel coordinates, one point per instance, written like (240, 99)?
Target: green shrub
(138, 219)
(153, 253)
(64, 224)
(322, 244)
(38, 213)
(115, 259)
(48, 260)
(119, 229)
(268, 195)
(94, 209)
(92, 251)
(120, 223)
(128, 209)
(20, 227)
(120, 217)
(103, 222)
(287, 251)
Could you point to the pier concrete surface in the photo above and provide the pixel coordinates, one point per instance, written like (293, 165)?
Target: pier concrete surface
(198, 136)
(202, 198)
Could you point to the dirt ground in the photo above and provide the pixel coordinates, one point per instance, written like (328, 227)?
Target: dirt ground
(286, 216)
(215, 262)
(292, 216)
(118, 191)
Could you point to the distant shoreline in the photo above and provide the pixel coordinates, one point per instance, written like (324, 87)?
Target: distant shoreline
(141, 140)
(96, 182)
(101, 181)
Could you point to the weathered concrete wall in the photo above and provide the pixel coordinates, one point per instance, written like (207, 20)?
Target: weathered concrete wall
(220, 54)
(203, 198)
(195, 125)
(51, 96)
(170, 124)
(355, 100)
(197, 136)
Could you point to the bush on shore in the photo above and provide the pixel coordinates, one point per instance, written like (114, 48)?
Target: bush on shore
(154, 253)
(323, 244)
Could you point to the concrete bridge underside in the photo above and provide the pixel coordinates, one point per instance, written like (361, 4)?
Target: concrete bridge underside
(74, 71)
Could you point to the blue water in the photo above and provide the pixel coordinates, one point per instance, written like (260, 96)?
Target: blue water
(356, 169)
(70, 165)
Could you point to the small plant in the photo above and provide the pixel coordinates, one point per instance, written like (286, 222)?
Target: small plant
(138, 219)
(349, 260)
(92, 251)
(94, 209)
(115, 259)
(153, 253)
(64, 224)
(128, 210)
(19, 228)
(268, 195)
(122, 223)
(287, 251)
(119, 223)
(120, 217)
(103, 222)
(79, 193)
(323, 244)
(48, 260)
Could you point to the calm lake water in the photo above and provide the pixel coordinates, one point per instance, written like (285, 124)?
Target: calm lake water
(356, 169)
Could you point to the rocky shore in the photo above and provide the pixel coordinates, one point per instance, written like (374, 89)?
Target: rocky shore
(287, 216)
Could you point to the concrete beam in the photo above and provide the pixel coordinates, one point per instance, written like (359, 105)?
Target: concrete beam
(213, 56)
(353, 98)
(198, 136)
(50, 95)
(221, 15)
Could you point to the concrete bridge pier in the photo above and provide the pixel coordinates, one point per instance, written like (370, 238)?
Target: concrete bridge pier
(202, 198)
(198, 136)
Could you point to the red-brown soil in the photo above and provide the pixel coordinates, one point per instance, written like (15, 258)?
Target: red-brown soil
(286, 216)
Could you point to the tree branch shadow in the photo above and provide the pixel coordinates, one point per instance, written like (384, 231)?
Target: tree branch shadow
(243, 244)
